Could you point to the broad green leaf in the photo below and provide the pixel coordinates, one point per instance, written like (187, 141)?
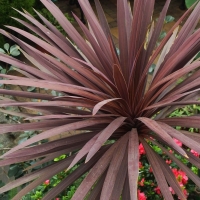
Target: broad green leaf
(15, 52)
(1, 183)
(6, 46)
(169, 18)
(13, 47)
(3, 71)
(162, 35)
(2, 51)
(31, 89)
(189, 3)
(13, 170)
(151, 69)
(197, 56)
(22, 140)
(54, 93)
(11, 68)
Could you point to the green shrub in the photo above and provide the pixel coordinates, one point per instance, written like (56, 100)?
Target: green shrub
(7, 11)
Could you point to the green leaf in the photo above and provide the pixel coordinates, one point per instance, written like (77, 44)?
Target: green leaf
(23, 135)
(56, 159)
(30, 89)
(13, 47)
(6, 46)
(189, 3)
(13, 170)
(54, 93)
(162, 35)
(2, 51)
(1, 183)
(19, 173)
(3, 71)
(11, 68)
(12, 193)
(197, 56)
(14, 50)
(22, 140)
(151, 69)
(169, 18)
(5, 197)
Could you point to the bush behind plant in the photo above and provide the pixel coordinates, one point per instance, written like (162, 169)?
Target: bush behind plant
(7, 12)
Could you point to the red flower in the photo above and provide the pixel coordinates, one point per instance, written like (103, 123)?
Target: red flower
(157, 190)
(141, 195)
(168, 162)
(183, 176)
(57, 199)
(171, 190)
(150, 170)
(47, 182)
(185, 192)
(180, 176)
(170, 151)
(179, 143)
(194, 153)
(141, 149)
(141, 183)
(175, 171)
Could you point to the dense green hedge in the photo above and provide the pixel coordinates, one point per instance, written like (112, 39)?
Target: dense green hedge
(6, 11)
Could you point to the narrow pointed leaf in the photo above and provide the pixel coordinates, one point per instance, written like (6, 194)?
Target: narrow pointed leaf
(133, 162)
(105, 134)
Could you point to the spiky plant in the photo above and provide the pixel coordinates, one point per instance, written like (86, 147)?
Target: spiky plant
(119, 101)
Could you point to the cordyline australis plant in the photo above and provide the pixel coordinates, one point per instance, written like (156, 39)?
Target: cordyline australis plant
(118, 102)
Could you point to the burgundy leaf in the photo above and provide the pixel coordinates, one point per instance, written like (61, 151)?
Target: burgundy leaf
(95, 172)
(84, 150)
(98, 106)
(157, 171)
(154, 126)
(105, 134)
(133, 162)
(56, 131)
(114, 168)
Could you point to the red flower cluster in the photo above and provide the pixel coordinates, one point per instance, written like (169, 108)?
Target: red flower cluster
(47, 182)
(179, 143)
(168, 162)
(141, 195)
(150, 170)
(170, 151)
(141, 183)
(141, 149)
(182, 178)
(194, 153)
(157, 190)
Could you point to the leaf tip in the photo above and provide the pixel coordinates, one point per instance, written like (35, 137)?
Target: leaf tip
(186, 156)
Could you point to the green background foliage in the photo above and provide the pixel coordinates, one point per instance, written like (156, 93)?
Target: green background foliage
(7, 11)
(189, 3)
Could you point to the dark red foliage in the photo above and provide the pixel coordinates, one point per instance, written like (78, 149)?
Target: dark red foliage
(106, 96)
